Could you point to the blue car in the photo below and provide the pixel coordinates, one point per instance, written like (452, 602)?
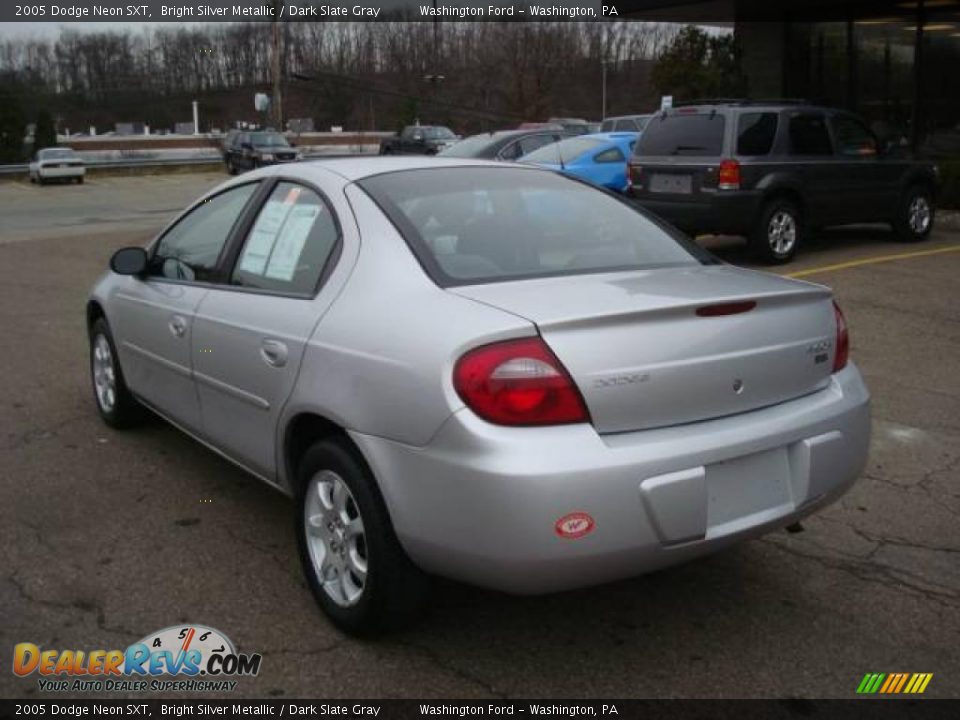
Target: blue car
(600, 158)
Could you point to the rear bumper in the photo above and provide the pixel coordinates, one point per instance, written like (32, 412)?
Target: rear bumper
(62, 172)
(480, 502)
(721, 212)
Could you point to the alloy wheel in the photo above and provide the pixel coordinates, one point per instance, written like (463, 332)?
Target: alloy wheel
(336, 540)
(104, 376)
(918, 214)
(782, 232)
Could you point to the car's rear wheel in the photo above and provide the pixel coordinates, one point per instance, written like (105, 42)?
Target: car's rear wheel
(778, 232)
(356, 568)
(117, 406)
(915, 215)
(79, 181)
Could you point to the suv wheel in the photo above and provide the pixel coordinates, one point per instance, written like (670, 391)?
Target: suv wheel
(231, 168)
(778, 232)
(117, 406)
(915, 216)
(357, 570)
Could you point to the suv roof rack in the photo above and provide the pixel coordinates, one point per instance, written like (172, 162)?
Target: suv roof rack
(743, 101)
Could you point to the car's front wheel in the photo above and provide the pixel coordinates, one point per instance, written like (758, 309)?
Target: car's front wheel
(778, 232)
(915, 216)
(117, 406)
(356, 568)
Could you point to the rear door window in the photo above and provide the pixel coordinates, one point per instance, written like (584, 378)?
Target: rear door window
(755, 133)
(853, 137)
(809, 136)
(529, 144)
(697, 134)
(610, 155)
(289, 244)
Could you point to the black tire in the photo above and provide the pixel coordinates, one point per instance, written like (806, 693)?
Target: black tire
(40, 180)
(771, 245)
(394, 589)
(79, 181)
(231, 168)
(913, 228)
(125, 411)
(386, 151)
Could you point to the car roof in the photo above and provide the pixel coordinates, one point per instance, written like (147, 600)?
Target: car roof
(627, 117)
(358, 168)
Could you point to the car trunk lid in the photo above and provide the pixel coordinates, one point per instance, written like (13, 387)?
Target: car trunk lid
(674, 345)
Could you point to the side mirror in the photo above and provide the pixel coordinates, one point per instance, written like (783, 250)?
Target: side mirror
(129, 261)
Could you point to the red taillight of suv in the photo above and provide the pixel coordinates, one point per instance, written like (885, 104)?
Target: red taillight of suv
(518, 382)
(729, 177)
(842, 354)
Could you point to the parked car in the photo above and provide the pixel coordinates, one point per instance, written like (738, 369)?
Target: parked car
(600, 159)
(419, 140)
(250, 150)
(625, 123)
(504, 144)
(574, 126)
(776, 171)
(447, 375)
(56, 163)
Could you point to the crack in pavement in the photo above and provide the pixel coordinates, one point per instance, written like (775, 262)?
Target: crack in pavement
(875, 573)
(435, 660)
(81, 606)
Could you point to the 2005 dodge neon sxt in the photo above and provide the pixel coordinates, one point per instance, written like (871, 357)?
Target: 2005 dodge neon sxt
(493, 373)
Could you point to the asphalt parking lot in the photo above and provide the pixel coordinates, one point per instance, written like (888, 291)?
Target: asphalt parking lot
(107, 536)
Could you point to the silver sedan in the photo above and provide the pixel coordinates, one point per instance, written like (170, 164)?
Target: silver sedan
(492, 373)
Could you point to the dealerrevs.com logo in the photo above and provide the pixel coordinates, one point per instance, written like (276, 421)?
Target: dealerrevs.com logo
(191, 658)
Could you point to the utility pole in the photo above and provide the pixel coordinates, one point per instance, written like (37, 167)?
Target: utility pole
(603, 92)
(277, 102)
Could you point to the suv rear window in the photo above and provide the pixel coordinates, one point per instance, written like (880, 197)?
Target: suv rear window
(479, 224)
(683, 134)
(755, 133)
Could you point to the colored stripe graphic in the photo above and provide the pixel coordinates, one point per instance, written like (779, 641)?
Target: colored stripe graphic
(894, 683)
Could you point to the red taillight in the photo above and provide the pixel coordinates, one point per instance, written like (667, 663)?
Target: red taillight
(518, 382)
(729, 178)
(843, 340)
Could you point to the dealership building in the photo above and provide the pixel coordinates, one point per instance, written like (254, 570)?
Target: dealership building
(894, 62)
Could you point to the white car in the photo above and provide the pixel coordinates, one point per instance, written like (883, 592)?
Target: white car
(57, 163)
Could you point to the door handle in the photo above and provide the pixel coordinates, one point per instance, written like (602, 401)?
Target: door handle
(178, 326)
(274, 353)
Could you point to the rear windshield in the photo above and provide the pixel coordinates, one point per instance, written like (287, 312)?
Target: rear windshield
(470, 147)
(269, 140)
(566, 150)
(56, 154)
(478, 224)
(683, 134)
(438, 133)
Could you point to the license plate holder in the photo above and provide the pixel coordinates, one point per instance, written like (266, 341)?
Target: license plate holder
(676, 183)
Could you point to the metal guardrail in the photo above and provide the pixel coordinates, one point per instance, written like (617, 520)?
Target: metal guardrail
(22, 168)
(128, 162)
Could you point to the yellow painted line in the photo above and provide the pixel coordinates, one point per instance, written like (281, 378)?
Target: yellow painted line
(872, 261)
(926, 681)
